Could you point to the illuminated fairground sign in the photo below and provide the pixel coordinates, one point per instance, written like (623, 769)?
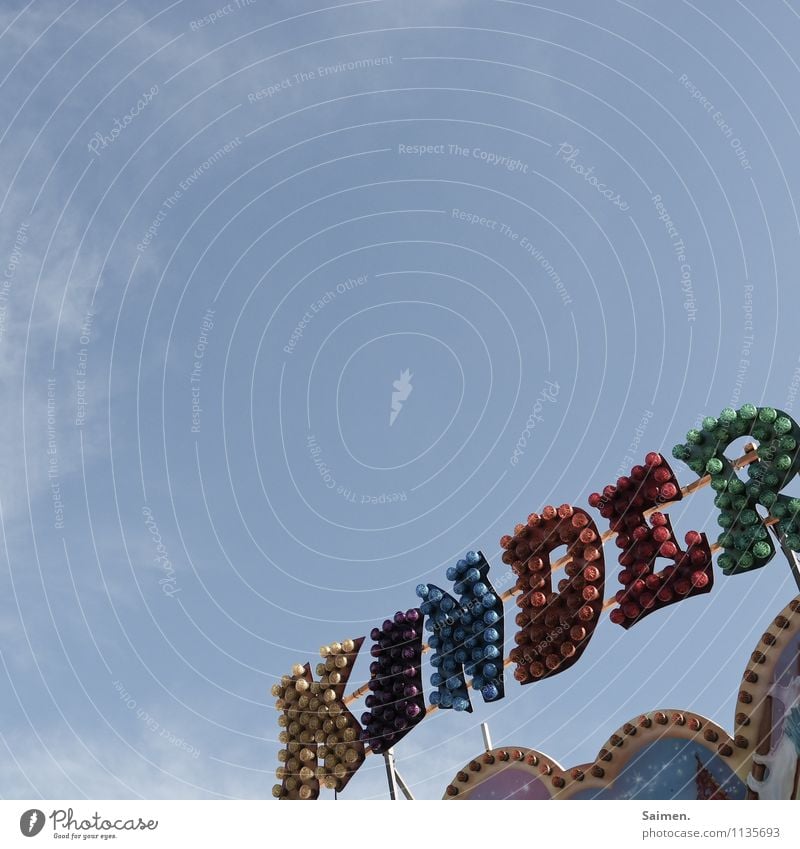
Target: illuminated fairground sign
(665, 754)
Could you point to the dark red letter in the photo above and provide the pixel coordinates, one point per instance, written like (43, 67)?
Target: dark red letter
(555, 627)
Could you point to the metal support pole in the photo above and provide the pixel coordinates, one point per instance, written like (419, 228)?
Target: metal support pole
(487, 740)
(391, 775)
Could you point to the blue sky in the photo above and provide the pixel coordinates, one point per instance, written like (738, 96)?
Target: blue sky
(227, 231)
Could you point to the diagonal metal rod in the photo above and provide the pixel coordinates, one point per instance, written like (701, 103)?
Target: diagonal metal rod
(790, 555)
(394, 778)
(403, 786)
